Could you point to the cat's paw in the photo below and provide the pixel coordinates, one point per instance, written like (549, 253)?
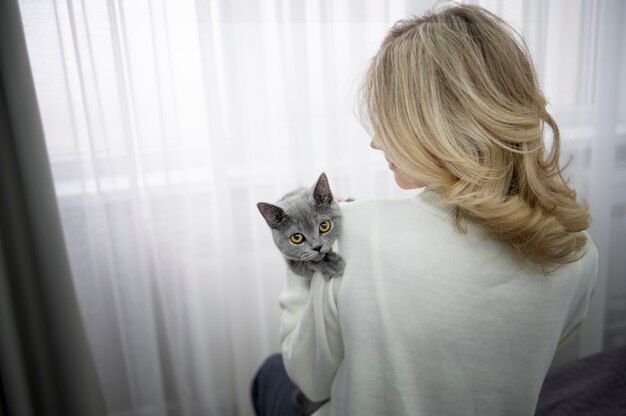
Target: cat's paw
(300, 268)
(334, 265)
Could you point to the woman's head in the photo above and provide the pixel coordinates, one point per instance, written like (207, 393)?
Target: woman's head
(453, 99)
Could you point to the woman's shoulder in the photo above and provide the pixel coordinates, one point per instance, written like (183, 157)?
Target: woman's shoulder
(589, 260)
(375, 209)
(368, 221)
(362, 218)
(363, 205)
(425, 207)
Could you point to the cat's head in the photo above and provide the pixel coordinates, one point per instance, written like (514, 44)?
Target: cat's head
(304, 223)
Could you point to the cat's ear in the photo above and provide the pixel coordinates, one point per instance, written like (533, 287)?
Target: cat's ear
(321, 193)
(273, 215)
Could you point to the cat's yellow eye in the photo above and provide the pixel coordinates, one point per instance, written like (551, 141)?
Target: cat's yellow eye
(325, 226)
(296, 238)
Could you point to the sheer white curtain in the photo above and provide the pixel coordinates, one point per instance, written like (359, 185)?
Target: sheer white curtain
(166, 121)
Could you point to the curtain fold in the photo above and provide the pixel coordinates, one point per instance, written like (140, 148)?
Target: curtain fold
(167, 121)
(45, 364)
(602, 165)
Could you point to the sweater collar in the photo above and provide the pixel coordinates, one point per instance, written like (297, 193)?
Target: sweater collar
(433, 198)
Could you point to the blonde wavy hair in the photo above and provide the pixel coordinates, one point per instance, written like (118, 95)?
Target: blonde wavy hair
(454, 99)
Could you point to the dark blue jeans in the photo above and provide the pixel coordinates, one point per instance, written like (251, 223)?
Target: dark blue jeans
(272, 390)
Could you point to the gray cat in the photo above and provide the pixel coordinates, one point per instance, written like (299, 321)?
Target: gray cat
(305, 223)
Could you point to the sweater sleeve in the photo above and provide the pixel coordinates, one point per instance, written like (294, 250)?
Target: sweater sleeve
(310, 333)
(586, 290)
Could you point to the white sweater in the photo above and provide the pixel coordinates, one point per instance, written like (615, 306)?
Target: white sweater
(427, 320)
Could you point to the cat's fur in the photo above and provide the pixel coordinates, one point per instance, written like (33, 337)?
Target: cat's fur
(302, 211)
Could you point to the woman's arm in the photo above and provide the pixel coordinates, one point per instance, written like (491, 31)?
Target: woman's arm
(310, 333)
(584, 293)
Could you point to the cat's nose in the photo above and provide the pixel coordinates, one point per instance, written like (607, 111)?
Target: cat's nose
(317, 248)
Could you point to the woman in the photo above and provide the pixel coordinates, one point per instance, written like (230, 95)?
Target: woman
(455, 301)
